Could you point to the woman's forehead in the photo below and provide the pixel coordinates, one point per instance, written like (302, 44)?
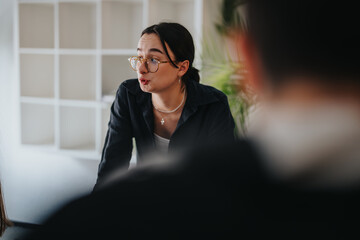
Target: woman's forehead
(150, 43)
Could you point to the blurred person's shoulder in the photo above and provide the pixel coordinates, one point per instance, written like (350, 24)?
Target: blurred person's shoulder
(230, 161)
(240, 159)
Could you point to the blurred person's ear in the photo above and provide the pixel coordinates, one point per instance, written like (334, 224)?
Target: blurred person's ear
(252, 62)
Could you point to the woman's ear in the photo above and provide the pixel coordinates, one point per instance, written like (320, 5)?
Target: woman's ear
(183, 67)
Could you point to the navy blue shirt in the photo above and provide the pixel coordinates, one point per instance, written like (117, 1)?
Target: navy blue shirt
(205, 119)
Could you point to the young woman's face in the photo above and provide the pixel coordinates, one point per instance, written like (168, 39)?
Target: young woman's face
(167, 76)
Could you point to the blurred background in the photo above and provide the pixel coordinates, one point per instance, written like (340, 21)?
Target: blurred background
(61, 62)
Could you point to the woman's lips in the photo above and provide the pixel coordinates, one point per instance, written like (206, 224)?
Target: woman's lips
(144, 81)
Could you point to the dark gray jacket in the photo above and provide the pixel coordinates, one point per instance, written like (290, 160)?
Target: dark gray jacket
(206, 119)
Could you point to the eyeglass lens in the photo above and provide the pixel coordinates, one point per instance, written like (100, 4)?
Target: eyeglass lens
(150, 64)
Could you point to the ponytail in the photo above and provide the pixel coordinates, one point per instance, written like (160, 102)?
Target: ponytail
(191, 75)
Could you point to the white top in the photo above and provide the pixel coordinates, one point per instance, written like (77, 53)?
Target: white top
(162, 144)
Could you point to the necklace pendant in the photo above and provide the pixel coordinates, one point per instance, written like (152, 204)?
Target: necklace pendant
(162, 121)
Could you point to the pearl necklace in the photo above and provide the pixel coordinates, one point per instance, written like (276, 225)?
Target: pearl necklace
(170, 111)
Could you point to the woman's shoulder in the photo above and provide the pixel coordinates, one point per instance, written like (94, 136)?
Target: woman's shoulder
(131, 85)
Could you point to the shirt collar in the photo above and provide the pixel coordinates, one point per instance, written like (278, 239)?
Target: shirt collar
(197, 95)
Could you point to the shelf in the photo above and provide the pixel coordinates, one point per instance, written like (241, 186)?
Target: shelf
(122, 23)
(36, 51)
(78, 1)
(37, 75)
(123, 51)
(36, 1)
(77, 128)
(77, 77)
(72, 51)
(72, 58)
(36, 25)
(65, 51)
(79, 153)
(79, 103)
(77, 25)
(173, 11)
(115, 70)
(37, 124)
(36, 100)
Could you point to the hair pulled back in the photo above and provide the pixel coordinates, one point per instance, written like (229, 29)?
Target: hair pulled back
(181, 43)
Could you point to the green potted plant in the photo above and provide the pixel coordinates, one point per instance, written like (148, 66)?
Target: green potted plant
(223, 66)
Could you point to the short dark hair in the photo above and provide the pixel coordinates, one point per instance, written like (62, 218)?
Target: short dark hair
(306, 37)
(181, 44)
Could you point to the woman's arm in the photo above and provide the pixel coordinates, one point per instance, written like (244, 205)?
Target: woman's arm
(118, 146)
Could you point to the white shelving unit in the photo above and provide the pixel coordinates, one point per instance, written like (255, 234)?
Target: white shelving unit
(71, 58)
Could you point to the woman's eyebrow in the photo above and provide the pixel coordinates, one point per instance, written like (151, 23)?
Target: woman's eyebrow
(152, 50)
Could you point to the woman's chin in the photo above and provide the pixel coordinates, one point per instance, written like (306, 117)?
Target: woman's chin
(145, 88)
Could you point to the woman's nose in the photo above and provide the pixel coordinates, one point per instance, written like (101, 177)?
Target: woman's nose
(142, 67)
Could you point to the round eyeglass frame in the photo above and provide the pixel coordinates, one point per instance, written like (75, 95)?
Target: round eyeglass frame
(146, 60)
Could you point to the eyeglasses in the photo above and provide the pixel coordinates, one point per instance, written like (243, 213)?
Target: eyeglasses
(151, 64)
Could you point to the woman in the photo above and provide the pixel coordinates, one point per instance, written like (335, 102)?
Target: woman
(165, 109)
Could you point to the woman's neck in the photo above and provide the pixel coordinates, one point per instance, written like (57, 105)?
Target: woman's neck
(169, 99)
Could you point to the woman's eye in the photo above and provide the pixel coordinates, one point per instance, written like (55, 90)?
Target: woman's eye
(153, 60)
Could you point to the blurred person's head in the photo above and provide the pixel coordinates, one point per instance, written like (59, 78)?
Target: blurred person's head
(303, 42)
(302, 57)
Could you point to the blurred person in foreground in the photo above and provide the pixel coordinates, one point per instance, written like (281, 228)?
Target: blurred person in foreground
(296, 177)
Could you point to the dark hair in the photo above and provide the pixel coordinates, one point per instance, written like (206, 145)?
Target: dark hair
(180, 41)
(306, 37)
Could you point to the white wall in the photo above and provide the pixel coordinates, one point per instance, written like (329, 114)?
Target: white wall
(34, 183)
